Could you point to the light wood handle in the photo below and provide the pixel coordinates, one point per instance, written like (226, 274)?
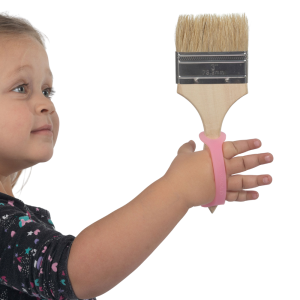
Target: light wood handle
(211, 208)
(212, 101)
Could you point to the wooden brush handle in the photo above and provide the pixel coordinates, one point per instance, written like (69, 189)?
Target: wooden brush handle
(212, 101)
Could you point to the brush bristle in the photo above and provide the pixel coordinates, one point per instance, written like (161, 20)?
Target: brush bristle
(212, 33)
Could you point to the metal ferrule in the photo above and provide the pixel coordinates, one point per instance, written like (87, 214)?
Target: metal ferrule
(211, 67)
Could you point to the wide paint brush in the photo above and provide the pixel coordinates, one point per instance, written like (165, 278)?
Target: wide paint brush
(212, 73)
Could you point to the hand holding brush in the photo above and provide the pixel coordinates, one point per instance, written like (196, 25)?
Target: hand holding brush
(192, 177)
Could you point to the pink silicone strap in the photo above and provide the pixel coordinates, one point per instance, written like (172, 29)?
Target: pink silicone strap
(216, 151)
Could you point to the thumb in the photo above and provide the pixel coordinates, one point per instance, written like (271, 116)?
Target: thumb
(188, 147)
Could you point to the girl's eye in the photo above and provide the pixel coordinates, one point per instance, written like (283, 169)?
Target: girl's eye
(51, 91)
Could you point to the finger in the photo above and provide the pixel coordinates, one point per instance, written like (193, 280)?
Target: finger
(247, 162)
(240, 182)
(241, 196)
(231, 149)
(188, 147)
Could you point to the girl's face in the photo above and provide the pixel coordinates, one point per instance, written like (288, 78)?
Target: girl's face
(25, 108)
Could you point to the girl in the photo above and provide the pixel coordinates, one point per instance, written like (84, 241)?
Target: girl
(38, 261)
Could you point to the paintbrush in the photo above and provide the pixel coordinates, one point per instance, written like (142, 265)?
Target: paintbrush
(212, 73)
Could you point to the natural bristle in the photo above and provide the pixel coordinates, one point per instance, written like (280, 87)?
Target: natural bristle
(212, 33)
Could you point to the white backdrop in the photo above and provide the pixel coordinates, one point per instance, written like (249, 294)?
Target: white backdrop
(122, 122)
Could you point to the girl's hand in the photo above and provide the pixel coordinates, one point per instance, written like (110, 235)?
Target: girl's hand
(191, 173)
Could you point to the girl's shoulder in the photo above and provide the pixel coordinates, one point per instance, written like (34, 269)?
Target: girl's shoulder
(11, 207)
(38, 210)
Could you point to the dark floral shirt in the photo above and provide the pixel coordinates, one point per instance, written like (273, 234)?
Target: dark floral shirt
(33, 255)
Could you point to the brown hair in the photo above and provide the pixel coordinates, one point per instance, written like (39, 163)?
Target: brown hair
(16, 27)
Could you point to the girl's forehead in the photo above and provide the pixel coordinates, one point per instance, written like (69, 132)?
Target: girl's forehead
(20, 47)
(15, 41)
(21, 53)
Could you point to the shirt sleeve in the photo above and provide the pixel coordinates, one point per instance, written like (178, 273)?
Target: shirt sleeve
(33, 256)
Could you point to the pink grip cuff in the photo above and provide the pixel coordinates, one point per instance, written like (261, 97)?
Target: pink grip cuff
(216, 151)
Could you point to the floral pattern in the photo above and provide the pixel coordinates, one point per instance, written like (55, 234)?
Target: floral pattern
(33, 255)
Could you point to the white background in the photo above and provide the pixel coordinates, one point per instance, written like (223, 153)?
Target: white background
(122, 122)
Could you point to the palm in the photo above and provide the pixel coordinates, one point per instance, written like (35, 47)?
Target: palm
(237, 183)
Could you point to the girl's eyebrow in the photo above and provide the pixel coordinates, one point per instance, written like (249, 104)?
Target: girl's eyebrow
(30, 67)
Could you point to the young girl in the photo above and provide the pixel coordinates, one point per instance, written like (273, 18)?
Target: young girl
(38, 261)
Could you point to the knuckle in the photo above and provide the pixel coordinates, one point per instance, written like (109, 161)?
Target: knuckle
(230, 196)
(235, 148)
(249, 196)
(244, 163)
(237, 196)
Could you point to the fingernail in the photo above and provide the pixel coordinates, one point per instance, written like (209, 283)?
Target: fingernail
(266, 180)
(254, 195)
(268, 158)
(257, 143)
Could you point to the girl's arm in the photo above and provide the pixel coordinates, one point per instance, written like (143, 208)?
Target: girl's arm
(107, 251)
